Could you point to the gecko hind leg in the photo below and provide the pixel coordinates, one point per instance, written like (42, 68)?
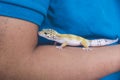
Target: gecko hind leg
(85, 45)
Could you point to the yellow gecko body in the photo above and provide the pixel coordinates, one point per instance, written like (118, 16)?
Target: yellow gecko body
(73, 40)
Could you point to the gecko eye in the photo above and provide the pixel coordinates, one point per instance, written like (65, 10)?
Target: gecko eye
(45, 33)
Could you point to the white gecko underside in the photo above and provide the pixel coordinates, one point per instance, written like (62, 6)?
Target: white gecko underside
(96, 42)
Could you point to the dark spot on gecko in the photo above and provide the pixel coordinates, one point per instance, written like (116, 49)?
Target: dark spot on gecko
(45, 33)
(106, 41)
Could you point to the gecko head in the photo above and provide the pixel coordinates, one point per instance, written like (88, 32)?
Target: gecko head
(48, 33)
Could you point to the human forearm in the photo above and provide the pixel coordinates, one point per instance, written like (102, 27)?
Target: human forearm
(47, 62)
(54, 64)
(78, 63)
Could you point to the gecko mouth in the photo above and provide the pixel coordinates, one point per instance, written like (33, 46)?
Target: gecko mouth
(40, 34)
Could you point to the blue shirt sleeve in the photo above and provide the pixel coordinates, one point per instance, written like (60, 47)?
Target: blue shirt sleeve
(30, 10)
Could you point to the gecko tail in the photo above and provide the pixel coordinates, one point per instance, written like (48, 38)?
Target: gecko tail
(102, 42)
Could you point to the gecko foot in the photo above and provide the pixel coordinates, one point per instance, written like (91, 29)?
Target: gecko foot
(87, 49)
(59, 47)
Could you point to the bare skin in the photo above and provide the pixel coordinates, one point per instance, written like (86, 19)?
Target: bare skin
(21, 59)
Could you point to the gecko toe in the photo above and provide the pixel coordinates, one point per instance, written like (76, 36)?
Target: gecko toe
(87, 49)
(59, 47)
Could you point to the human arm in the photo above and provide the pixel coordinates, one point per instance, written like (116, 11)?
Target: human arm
(20, 59)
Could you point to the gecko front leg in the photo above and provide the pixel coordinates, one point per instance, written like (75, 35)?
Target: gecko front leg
(62, 45)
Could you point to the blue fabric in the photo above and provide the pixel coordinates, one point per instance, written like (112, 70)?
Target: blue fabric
(114, 76)
(91, 19)
(34, 11)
